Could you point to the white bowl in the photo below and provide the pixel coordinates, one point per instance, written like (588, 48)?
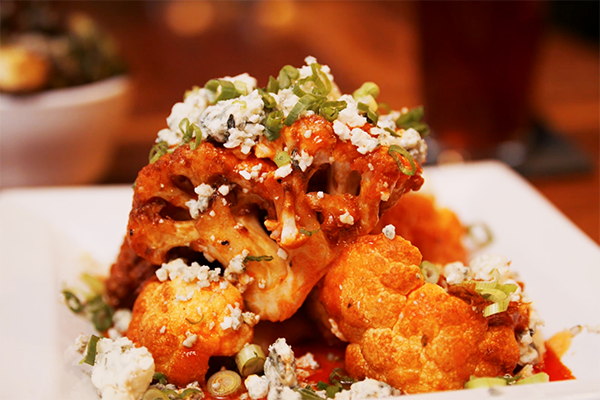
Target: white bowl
(62, 136)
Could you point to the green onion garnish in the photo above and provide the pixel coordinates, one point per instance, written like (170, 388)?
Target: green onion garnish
(287, 75)
(223, 89)
(158, 150)
(476, 383)
(308, 233)
(480, 234)
(273, 125)
(430, 271)
(258, 258)
(282, 158)
(189, 392)
(155, 394)
(267, 99)
(90, 355)
(331, 109)
(306, 102)
(541, 377)
(273, 85)
(367, 88)
(160, 377)
(72, 302)
(101, 314)
(371, 116)
(308, 393)
(189, 321)
(250, 360)
(95, 284)
(496, 308)
(404, 153)
(223, 383)
(412, 119)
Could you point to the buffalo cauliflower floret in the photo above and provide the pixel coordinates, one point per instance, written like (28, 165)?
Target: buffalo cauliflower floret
(187, 318)
(413, 334)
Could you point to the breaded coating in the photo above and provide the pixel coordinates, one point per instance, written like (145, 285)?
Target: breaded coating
(406, 332)
(435, 231)
(183, 325)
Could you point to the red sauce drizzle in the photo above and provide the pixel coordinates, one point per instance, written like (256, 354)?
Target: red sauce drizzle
(555, 369)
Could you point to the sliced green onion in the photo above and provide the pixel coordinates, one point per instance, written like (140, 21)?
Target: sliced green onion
(496, 308)
(258, 258)
(155, 394)
(282, 158)
(191, 322)
(191, 392)
(273, 85)
(267, 99)
(412, 119)
(413, 115)
(508, 288)
(308, 233)
(241, 87)
(483, 285)
(93, 282)
(250, 360)
(430, 271)
(339, 379)
(158, 150)
(223, 89)
(403, 152)
(385, 107)
(367, 88)
(541, 377)
(371, 116)
(495, 295)
(196, 132)
(321, 80)
(273, 125)
(306, 102)
(160, 377)
(308, 393)
(224, 383)
(101, 314)
(90, 355)
(331, 109)
(480, 234)
(72, 301)
(287, 75)
(477, 383)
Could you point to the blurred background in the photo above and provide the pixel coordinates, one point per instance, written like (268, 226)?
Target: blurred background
(516, 81)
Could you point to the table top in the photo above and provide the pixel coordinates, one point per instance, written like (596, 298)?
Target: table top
(166, 58)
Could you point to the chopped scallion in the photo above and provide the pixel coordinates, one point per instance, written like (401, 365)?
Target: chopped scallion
(250, 360)
(223, 383)
(155, 394)
(412, 119)
(158, 150)
(541, 377)
(331, 109)
(258, 258)
(90, 355)
(287, 75)
(496, 308)
(430, 271)
(267, 99)
(72, 301)
(273, 125)
(367, 89)
(282, 158)
(371, 115)
(404, 153)
(306, 102)
(222, 89)
(160, 377)
(273, 85)
(476, 383)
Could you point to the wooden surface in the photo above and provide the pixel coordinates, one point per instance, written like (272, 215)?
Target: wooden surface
(361, 41)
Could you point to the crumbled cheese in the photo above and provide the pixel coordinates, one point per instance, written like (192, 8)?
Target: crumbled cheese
(280, 367)
(336, 330)
(190, 339)
(163, 329)
(320, 195)
(367, 389)
(346, 218)
(204, 193)
(365, 142)
(307, 361)
(245, 174)
(121, 370)
(487, 267)
(262, 283)
(389, 231)
(350, 115)
(121, 319)
(304, 160)
(234, 320)
(283, 171)
(307, 133)
(171, 270)
(282, 253)
(342, 130)
(456, 273)
(258, 386)
(236, 264)
(224, 190)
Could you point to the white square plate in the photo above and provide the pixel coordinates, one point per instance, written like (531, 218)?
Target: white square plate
(49, 235)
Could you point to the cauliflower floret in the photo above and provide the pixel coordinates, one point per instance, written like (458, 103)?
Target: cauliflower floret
(183, 324)
(409, 333)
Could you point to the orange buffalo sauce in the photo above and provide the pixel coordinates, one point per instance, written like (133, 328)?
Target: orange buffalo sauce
(555, 369)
